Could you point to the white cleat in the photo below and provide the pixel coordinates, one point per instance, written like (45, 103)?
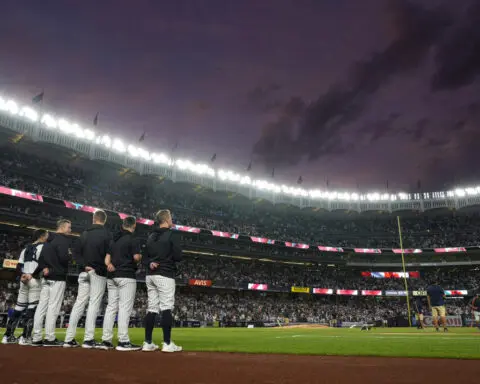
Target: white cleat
(169, 348)
(149, 347)
(9, 340)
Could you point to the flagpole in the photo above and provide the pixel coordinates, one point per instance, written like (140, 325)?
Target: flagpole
(39, 122)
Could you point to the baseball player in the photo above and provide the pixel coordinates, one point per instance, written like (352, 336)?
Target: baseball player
(55, 258)
(29, 293)
(476, 309)
(90, 253)
(162, 253)
(121, 285)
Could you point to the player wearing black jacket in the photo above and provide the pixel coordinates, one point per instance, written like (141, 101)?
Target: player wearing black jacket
(162, 254)
(121, 285)
(55, 258)
(93, 246)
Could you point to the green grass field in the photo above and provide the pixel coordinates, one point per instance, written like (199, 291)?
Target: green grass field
(461, 343)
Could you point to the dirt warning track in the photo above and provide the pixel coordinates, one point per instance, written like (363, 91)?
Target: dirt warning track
(57, 365)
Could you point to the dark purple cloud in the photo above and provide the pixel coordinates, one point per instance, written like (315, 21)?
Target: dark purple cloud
(352, 91)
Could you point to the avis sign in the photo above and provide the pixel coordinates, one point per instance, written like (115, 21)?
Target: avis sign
(200, 283)
(452, 321)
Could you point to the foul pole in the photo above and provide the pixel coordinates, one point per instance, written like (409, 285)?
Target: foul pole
(404, 271)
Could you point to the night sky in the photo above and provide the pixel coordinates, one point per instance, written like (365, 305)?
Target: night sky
(354, 92)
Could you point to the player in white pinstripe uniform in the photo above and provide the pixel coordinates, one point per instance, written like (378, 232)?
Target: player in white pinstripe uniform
(29, 291)
(90, 253)
(162, 253)
(122, 285)
(54, 260)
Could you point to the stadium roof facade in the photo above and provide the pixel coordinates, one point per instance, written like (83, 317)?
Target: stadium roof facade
(46, 127)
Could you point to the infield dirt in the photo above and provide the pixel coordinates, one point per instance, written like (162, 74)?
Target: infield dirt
(56, 365)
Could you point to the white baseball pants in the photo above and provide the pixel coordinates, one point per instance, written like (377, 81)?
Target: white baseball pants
(91, 289)
(51, 298)
(28, 295)
(121, 297)
(161, 293)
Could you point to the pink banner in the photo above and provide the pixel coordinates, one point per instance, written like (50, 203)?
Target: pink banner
(371, 293)
(145, 221)
(391, 275)
(79, 207)
(185, 228)
(406, 251)
(456, 293)
(262, 240)
(225, 234)
(322, 291)
(258, 287)
(296, 245)
(329, 249)
(448, 250)
(367, 250)
(347, 292)
(21, 194)
(139, 220)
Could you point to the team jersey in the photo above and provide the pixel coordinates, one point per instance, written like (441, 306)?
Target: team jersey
(29, 258)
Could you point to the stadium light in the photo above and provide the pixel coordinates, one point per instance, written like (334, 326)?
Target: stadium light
(65, 126)
(161, 159)
(78, 131)
(29, 113)
(89, 135)
(11, 107)
(72, 129)
(199, 169)
(118, 146)
(49, 121)
(132, 151)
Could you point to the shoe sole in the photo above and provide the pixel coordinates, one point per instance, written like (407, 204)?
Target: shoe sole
(70, 346)
(52, 346)
(122, 349)
(150, 350)
(172, 351)
(104, 348)
(88, 346)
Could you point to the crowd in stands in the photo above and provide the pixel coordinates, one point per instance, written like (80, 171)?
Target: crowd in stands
(35, 174)
(233, 273)
(254, 306)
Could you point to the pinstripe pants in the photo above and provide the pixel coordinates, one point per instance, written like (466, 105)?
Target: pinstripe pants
(28, 295)
(121, 296)
(91, 289)
(51, 298)
(161, 293)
